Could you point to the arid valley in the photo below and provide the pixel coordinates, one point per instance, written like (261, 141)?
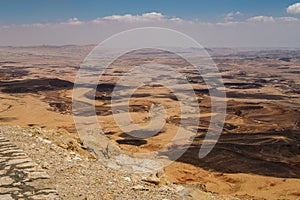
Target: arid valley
(256, 157)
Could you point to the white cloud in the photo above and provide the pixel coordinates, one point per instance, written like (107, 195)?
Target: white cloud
(294, 9)
(287, 19)
(128, 18)
(146, 17)
(268, 19)
(261, 19)
(74, 21)
(230, 16)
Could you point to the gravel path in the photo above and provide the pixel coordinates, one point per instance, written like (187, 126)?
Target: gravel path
(20, 177)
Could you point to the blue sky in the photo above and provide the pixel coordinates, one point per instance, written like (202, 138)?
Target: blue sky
(45, 11)
(222, 23)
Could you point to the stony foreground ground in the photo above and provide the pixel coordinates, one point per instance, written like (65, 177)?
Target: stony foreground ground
(56, 173)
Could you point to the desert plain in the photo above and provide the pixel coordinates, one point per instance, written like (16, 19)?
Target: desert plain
(257, 155)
